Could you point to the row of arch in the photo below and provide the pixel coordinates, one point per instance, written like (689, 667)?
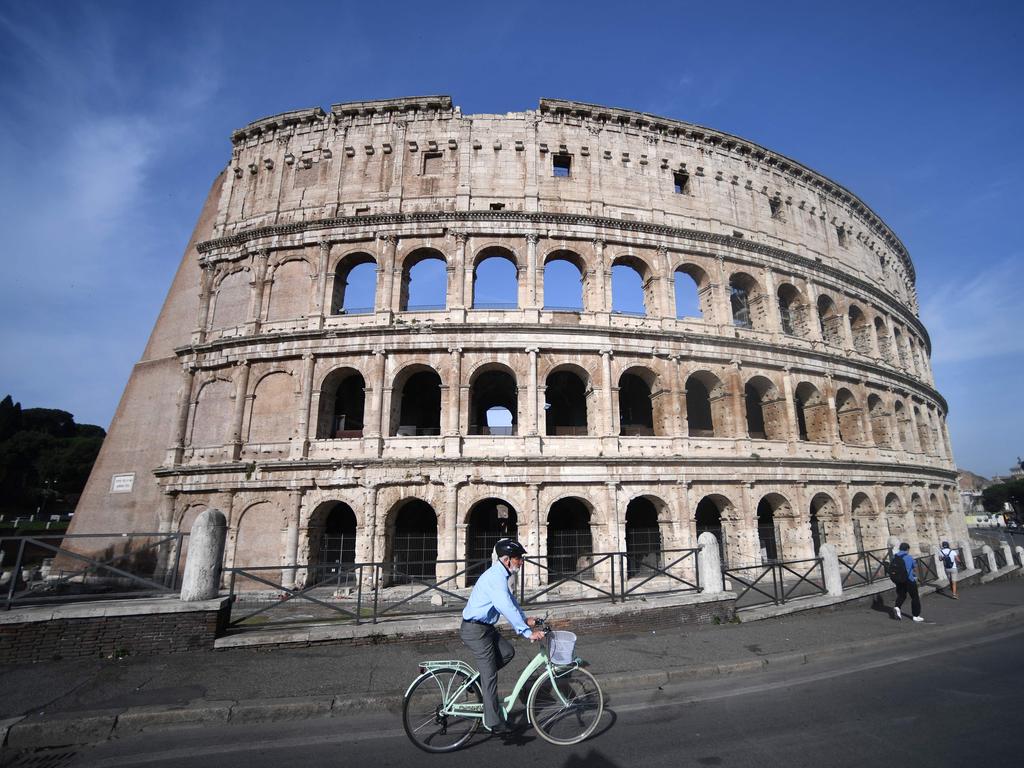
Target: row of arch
(497, 282)
(647, 402)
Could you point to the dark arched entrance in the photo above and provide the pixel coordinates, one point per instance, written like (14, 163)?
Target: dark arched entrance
(413, 554)
(489, 520)
(766, 530)
(643, 538)
(570, 545)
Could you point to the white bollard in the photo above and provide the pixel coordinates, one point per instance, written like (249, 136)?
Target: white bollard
(830, 569)
(1008, 554)
(940, 569)
(986, 552)
(205, 553)
(893, 542)
(965, 551)
(709, 564)
(1020, 554)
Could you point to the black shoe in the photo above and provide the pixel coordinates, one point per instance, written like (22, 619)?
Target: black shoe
(501, 730)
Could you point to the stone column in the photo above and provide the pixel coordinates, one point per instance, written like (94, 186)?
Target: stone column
(533, 298)
(667, 293)
(241, 398)
(205, 554)
(792, 423)
(771, 298)
(611, 419)
(833, 415)
(684, 417)
(720, 298)
(184, 404)
(535, 544)
(533, 409)
(205, 294)
(300, 447)
(460, 275)
(370, 526)
(740, 428)
(603, 278)
(813, 319)
(676, 424)
(320, 307)
(830, 569)
(709, 564)
(168, 550)
(452, 431)
(377, 422)
(291, 557)
(447, 549)
(256, 292)
(390, 296)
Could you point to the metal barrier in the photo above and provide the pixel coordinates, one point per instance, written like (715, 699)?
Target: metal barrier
(865, 567)
(981, 562)
(638, 569)
(132, 565)
(554, 591)
(926, 569)
(786, 578)
(1000, 557)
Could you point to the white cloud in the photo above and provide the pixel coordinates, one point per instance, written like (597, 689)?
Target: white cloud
(978, 318)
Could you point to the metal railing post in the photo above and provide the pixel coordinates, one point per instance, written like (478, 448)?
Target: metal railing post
(359, 595)
(376, 590)
(15, 574)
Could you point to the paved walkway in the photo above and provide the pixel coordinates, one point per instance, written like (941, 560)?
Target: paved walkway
(78, 700)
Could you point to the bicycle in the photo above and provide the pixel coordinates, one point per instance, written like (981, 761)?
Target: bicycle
(443, 707)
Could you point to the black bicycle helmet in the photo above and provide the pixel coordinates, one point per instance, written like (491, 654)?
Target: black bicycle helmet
(509, 547)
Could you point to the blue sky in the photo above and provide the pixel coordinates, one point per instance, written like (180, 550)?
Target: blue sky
(115, 117)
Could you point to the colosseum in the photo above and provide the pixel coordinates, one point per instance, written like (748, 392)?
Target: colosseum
(400, 332)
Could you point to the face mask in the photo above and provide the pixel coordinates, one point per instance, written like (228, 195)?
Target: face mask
(513, 567)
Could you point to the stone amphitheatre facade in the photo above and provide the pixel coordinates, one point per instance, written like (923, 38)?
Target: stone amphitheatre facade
(793, 404)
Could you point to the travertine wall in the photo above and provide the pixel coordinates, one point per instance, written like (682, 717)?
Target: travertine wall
(853, 428)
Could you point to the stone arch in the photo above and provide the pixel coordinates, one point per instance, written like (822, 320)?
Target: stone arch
(770, 510)
(692, 292)
(868, 529)
(631, 286)
(642, 408)
(259, 539)
(707, 406)
(410, 549)
(924, 438)
(358, 269)
(714, 514)
(901, 349)
(565, 300)
(861, 329)
(812, 413)
(416, 402)
(332, 533)
(830, 321)
(566, 390)
(428, 289)
(272, 412)
(288, 289)
(231, 299)
(895, 515)
(212, 414)
(883, 341)
(881, 431)
(487, 521)
(570, 542)
(494, 287)
(341, 405)
(493, 400)
(765, 407)
(905, 425)
(644, 540)
(792, 310)
(849, 417)
(825, 521)
(746, 297)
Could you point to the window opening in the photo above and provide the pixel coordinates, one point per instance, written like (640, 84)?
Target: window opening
(740, 301)
(775, 205)
(709, 520)
(698, 409)
(433, 163)
(766, 538)
(566, 405)
(681, 182)
(497, 206)
(755, 413)
(687, 296)
(841, 235)
(636, 416)
(561, 165)
(420, 409)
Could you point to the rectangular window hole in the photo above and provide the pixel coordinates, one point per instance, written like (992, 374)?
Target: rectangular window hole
(561, 165)
(841, 234)
(432, 163)
(497, 206)
(681, 182)
(776, 207)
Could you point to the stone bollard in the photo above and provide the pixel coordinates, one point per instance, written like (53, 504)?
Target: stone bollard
(986, 552)
(830, 569)
(1008, 554)
(940, 569)
(205, 553)
(1020, 554)
(709, 564)
(968, 556)
(893, 542)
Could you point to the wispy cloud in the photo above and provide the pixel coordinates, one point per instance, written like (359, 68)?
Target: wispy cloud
(979, 318)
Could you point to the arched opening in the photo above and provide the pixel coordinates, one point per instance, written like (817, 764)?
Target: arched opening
(419, 405)
(493, 408)
(924, 437)
(765, 409)
(708, 519)
(565, 404)
(866, 532)
(211, 419)
(496, 280)
(563, 282)
(792, 311)
(706, 407)
(636, 414)
(894, 516)
(849, 418)
(342, 402)
(811, 414)
(883, 341)
(412, 553)
(744, 294)
(767, 534)
(272, 410)
(231, 300)
(906, 429)
(570, 545)
(881, 433)
(901, 348)
(861, 329)
(823, 514)
(643, 538)
(355, 285)
(287, 290)
(332, 540)
(628, 287)
(489, 521)
(691, 283)
(424, 281)
(830, 322)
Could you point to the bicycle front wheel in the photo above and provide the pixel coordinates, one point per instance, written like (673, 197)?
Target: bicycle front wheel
(426, 710)
(567, 708)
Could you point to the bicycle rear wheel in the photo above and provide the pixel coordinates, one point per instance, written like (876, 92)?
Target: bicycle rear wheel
(426, 725)
(566, 710)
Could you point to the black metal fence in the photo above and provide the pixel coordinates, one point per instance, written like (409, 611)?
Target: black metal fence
(861, 568)
(776, 582)
(74, 567)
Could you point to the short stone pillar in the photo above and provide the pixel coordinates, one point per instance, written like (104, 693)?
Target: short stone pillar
(940, 569)
(1008, 554)
(986, 552)
(709, 564)
(1020, 554)
(967, 554)
(893, 542)
(205, 554)
(830, 570)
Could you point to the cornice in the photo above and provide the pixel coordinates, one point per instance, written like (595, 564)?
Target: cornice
(558, 219)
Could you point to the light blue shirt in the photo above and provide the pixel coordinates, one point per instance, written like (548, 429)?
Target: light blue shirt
(491, 598)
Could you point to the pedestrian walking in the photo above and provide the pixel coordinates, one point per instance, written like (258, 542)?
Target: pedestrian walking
(951, 562)
(901, 572)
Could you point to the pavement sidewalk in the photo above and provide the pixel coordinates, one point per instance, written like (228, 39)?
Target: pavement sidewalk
(78, 701)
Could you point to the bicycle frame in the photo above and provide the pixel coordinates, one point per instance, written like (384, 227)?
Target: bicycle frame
(477, 710)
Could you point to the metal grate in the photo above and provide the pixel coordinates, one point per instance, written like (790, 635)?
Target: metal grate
(414, 556)
(643, 550)
(569, 550)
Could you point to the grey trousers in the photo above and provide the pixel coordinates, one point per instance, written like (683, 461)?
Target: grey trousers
(492, 652)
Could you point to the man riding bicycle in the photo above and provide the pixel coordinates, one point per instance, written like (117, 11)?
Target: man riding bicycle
(490, 599)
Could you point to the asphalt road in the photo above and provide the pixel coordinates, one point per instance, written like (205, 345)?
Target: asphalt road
(935, 705)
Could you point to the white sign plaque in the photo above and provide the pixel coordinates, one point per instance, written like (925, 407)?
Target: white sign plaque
(122, 483)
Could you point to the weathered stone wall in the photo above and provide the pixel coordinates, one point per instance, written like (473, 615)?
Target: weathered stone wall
(839, 364)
